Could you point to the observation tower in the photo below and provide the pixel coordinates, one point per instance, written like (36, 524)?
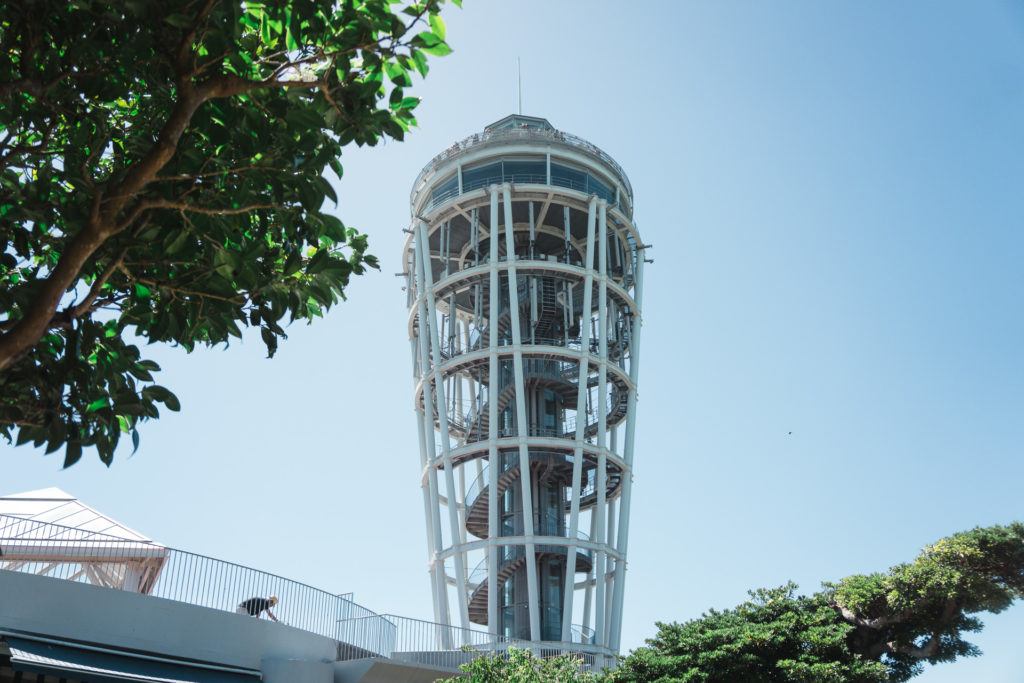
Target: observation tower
(524, 274)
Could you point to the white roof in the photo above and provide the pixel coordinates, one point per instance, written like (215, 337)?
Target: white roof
(54, 506)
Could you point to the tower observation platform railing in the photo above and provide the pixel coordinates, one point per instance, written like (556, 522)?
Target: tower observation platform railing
(512, 135)
(588, 185)
(469, 423)
(478, 339)
(621, 275)
(588, 490)
(71, 554)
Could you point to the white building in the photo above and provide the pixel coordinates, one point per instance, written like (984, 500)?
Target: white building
(85, 599)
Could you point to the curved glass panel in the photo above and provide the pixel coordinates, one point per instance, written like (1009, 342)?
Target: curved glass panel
(522, 171)
(564, 176)
(481, 176)
(448, 188)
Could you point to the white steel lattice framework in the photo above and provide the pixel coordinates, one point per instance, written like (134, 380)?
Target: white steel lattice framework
(524, 276)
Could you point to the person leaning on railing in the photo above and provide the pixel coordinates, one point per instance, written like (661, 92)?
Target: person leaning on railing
(254, 607)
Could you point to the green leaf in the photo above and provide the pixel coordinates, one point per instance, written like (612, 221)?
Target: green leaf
(427, 39)
(156, 392)
(408, 103)
(438, 50)
(171, 401)
(292, 264)
(98, 404)
(140, 373)
(178, 20)
(397, 74)
(270, 339)
(437, 26)
(420, 60)
(318, 262)
(177, 242)
(304, 118)
(327, 189)
(56, 436)
(72, 453)
(431, 43)
(310, 196)
(142, 291)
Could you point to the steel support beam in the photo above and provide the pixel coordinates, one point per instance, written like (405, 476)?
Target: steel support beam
(600, 509)
(627, 484)
(442, 416)
(440, 585)
(522, 432)
(494, 465)
(581, 423)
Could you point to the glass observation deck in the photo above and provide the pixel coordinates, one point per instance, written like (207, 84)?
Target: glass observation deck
(547, 165)
(523, 171)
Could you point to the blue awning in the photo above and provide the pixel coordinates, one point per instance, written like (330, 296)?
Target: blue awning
(71, 661)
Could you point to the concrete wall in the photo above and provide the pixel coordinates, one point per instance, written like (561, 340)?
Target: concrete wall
(103, 616)
(297, 671)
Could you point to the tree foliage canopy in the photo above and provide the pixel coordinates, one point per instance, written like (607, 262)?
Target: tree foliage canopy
(865, 628)
(162, 174)
(521, 666)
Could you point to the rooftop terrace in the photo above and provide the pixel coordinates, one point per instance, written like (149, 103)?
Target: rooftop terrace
(96, 551)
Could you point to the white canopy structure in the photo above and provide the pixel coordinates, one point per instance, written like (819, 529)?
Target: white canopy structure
(51, 533)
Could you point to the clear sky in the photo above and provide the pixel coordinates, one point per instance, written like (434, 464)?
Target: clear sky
(835, 194)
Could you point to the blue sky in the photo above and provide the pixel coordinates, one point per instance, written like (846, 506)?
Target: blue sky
(834, 192)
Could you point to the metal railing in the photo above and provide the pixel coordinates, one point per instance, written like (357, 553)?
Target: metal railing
(361, 636)
(508, 554)
(509, 461)
(477, 183)
(443, 195)
(441, 646)
(582, 634)
(451, 347)
(114, 563)
(417, 641)
(588, 480)
(149, 568)
(514, 134)
(588, 185)
(472, 427)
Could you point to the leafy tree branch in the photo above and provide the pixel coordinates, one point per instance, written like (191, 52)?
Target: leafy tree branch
(865, 628)
(163, 173)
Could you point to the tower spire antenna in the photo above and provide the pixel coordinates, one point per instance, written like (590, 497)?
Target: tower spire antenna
(519, 71)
